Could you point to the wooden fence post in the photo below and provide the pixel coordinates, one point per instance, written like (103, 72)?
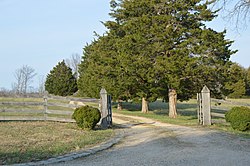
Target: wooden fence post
(45, 99)
(206, 106)
(199, 108)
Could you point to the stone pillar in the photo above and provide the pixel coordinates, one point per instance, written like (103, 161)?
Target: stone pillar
(206, 106)
(104, 108)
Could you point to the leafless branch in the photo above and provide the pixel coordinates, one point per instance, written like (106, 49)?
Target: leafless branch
(23, 76)
(73, 62)
(237, 12)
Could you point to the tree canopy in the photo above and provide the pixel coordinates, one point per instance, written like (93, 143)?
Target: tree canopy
(61, 81)
(154, 46)
(235, 86)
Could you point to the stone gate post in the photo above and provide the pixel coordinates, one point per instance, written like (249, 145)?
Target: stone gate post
(206, 105)
(104, 108)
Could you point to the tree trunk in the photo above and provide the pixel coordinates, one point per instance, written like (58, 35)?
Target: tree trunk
(119, 105)
(172, 103)
(144, 108)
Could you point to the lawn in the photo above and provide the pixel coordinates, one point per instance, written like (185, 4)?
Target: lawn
(31, 141)
(25, 141)
(159, 111)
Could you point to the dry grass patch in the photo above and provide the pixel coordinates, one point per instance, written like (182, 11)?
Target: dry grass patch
(31, 141)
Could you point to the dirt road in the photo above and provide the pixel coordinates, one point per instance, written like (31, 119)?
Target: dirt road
(147, 142)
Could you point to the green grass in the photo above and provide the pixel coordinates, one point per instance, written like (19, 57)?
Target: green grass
(159, 111)
(187, 114)
(31, 141)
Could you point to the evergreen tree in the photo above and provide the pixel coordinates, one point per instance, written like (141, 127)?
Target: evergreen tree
(167, 46)
(60, 81)
(99, 69)
(235, 86)
(157, 46)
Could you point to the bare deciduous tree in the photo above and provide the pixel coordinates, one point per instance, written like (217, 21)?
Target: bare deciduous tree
(73, 62)
(237, 11)
(41, 87)
(5, 92)
(23, 76)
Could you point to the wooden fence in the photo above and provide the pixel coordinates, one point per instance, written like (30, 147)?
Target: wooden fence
(48, 108)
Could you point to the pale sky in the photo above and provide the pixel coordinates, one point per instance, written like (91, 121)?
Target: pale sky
(40, 33)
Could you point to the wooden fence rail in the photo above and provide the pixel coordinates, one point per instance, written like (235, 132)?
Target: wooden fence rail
(21, 103)
(21, 111)
(231, 102)
(42, 111)
(27, 118)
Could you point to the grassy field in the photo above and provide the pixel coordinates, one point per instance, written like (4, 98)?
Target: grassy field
(31, 141)
(187, 113)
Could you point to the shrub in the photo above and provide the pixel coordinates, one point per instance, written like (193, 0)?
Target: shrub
(239, 118)
(86, 117)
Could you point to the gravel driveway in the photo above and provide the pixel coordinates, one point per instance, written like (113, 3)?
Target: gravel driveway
(147, 142)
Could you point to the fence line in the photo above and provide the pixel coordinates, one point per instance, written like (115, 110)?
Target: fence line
(44, 113)
(27, 118)
(21, 103)
(73, 99)
(21, 111)
(231, 102)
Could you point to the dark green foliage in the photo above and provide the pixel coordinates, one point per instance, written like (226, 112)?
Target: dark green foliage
(61, 81)
(152, 46)
(99, 69)
(239, 118)
(86, 117)
(235, 86)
